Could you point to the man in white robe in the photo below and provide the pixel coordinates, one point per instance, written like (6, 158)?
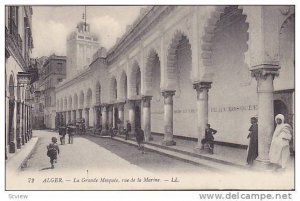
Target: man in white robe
(280, 151)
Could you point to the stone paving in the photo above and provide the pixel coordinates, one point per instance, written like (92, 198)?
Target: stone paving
(115, 163)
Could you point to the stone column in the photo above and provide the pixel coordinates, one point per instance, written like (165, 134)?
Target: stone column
(80, 113)
(25, 123)
(30, 121)
(70, 115)
(22, 124)
(168, 118)
(147, 117)
(87, 117)
(91, 117)
(74, 115)
(11, 136)
(66, 118)
(18, 128)
(96, 117)
(110, 115)
(202, 110)
(104, 119)
(264, 75)
(131, 115)
(121, 113)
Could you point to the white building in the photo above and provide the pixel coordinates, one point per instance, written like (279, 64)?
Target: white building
(181, 67)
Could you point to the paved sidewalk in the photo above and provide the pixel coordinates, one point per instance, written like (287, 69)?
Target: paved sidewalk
(15, 162)
(222, 154)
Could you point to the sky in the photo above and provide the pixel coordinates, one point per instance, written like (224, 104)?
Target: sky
(52, 24)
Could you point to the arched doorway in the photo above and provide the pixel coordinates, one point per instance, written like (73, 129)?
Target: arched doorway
(280, 108)
(233, 93)
(178, 78)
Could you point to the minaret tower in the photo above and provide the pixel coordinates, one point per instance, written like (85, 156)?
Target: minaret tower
(81, 46)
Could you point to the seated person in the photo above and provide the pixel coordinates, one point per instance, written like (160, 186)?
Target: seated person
(209, 138)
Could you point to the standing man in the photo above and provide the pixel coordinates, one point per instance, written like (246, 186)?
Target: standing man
(71, 132)
(253, 143)
(280, 151)
(128, 130)
(62, 134)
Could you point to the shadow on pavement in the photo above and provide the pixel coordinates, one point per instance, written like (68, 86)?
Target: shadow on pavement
(46, 168)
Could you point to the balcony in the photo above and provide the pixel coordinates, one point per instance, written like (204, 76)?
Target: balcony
(13, 30)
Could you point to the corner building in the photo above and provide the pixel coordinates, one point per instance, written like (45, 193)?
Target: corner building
(19, 67)
(178, 68)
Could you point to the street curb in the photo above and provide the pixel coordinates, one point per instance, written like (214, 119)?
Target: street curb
(185, 157)
(131, 142)
(17, 162)
(200, 156)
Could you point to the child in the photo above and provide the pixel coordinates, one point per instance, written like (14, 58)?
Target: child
(53, 151)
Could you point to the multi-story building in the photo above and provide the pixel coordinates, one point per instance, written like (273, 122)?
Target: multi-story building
(39, 101)
(18, 68)
(52, 72)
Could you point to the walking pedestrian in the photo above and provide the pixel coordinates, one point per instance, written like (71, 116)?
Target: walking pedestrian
(140, 138)
(53, 151)
(111, 131)
(253, 143)
(62, 133)
(279, 153)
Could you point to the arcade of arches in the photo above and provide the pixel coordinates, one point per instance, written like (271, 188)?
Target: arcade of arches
(189, 67)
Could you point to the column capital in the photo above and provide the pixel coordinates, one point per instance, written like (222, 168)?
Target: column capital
(200, 86)
(146, 101)
(168, 93)
(145, 98)
(263, 70)
(131, 103)
(120, 105)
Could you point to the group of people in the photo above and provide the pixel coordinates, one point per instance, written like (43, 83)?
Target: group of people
(279, 152)
(53, 148)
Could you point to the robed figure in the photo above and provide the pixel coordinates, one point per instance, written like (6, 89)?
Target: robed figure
(253, 142)
(280, 151)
